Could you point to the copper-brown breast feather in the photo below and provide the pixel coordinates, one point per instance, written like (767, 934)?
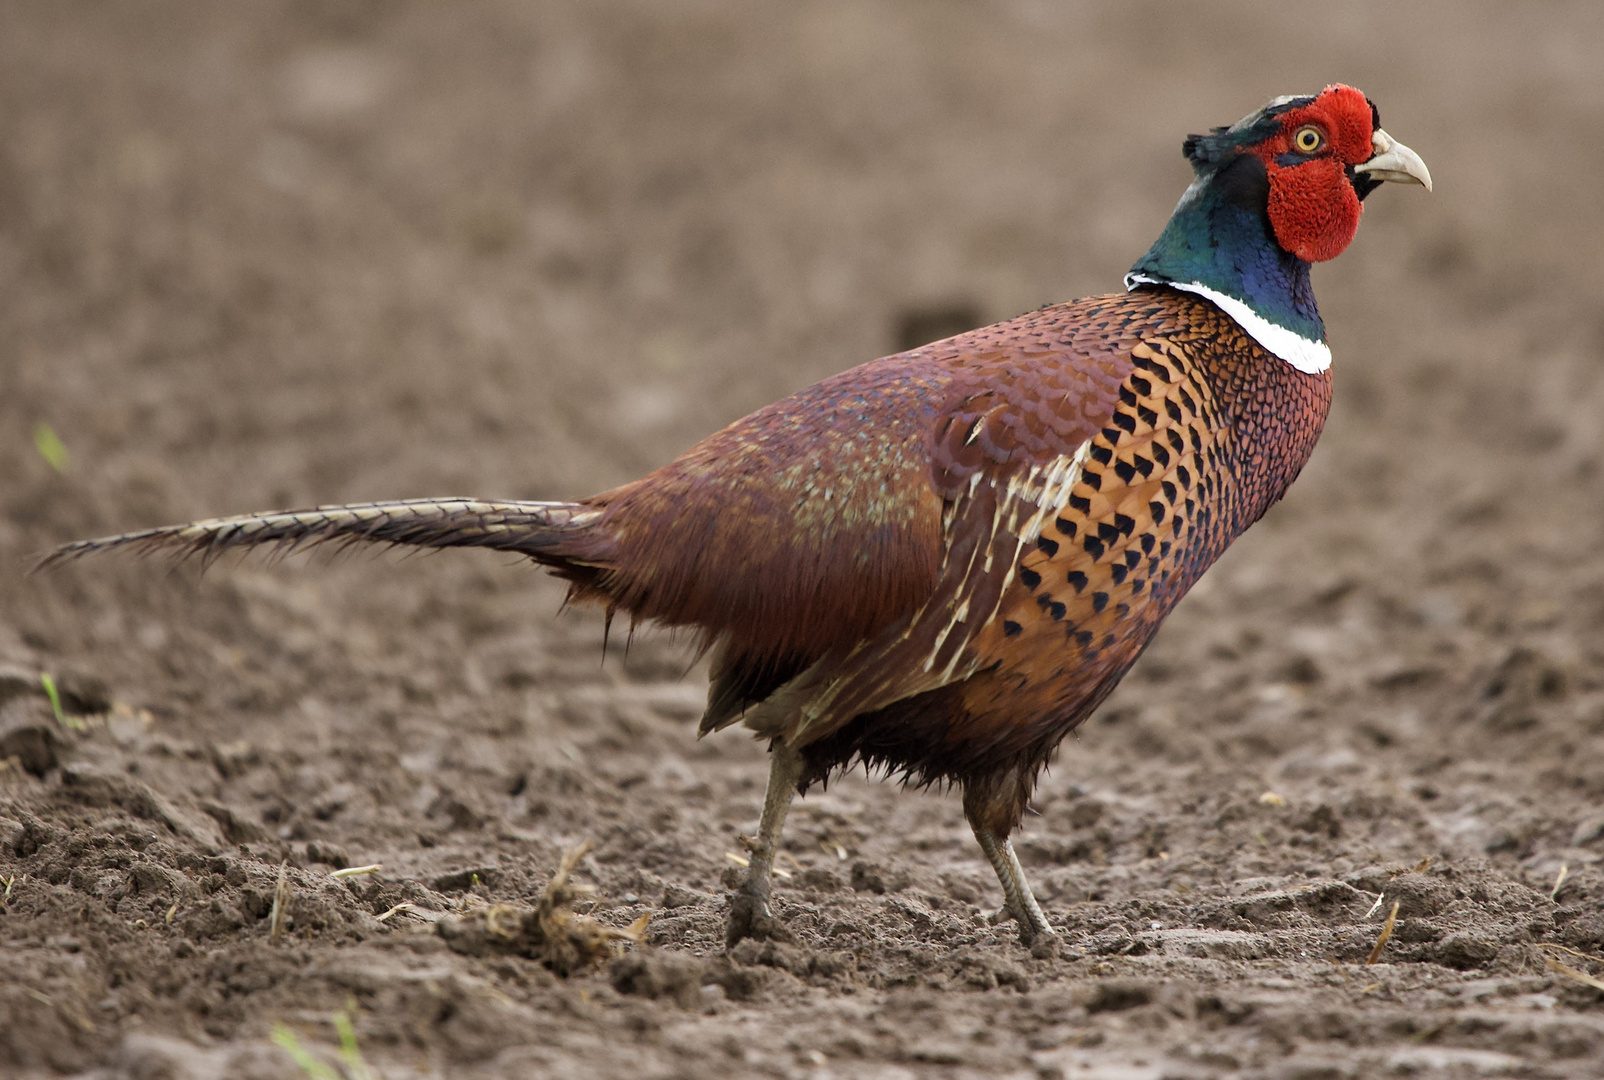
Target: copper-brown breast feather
(1206, 433)
(1006, 450)
(1110, 562)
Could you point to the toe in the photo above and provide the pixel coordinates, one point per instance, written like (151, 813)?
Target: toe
(750, 918)
(1045, 945)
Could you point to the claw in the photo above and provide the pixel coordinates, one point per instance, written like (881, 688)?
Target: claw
(1046, 946)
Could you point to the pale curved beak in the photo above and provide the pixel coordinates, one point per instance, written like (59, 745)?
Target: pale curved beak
(1394, 161)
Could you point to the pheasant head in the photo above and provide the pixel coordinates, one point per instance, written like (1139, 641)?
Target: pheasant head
(1276, 191)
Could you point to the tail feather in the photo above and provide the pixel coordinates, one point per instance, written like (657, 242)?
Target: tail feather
(544, 531)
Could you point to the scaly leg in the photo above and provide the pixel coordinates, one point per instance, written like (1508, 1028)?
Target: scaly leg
(1021, 902)
(749, 910)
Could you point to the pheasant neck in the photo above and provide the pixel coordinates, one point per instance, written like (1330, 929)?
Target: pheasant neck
(1219, 245)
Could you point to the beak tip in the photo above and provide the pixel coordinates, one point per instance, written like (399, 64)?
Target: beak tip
(1394, 161)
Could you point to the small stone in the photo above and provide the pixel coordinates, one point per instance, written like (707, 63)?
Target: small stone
(872, 877)
(1085, 813)
(327, 854)
(678, 896)
(30, 736)
(654, 974)
(12, 834)
(819, 879)
(83, 694)
(463, 880)
(16, 683)
(1045, 947)
(1117, 995)
(1465, 950)
(1590, 830)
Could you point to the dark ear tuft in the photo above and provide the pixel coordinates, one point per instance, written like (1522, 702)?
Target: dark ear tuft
(1220, 145)
(1204, 150)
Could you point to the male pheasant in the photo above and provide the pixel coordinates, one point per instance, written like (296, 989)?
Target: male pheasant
(940, 562)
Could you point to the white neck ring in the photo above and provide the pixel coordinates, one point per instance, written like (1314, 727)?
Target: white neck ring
(1309, 357)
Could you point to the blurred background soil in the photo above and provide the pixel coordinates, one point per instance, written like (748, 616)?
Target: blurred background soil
(278, 254)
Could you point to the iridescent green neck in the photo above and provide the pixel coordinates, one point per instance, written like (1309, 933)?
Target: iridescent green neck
(1219, 240)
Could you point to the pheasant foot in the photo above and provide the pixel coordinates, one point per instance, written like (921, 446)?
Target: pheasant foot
(750, 915)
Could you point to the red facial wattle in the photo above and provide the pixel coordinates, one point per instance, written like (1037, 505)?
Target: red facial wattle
(1314, 209)
(1313, 206)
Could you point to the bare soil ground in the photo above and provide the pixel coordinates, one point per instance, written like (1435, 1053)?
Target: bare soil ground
(259, 255)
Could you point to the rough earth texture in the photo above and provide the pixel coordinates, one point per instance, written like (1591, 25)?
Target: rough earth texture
(276, 254)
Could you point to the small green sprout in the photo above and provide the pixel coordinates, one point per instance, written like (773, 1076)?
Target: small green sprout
(311, 1066)
(350, 1052)
(355, 1067)
(50, 446)
(54, 695)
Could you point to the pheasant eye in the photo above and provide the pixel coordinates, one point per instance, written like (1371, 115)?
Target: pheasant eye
(1308, 139)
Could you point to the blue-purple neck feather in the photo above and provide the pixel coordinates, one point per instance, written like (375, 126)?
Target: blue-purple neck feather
(1220, 234)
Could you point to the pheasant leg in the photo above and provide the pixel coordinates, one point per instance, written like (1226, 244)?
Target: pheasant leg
(749, 910)
(1020, 901)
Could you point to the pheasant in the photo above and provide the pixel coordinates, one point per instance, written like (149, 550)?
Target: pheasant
(938, 563)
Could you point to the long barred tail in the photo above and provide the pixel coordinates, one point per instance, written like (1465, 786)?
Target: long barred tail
(548, 531)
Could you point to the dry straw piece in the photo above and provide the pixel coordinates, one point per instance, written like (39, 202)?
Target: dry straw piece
(741, 860)
(1571, 973)
(1386, 933)
(1560, 968)
(552, 932)
(1559, 882)
(281, 903)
